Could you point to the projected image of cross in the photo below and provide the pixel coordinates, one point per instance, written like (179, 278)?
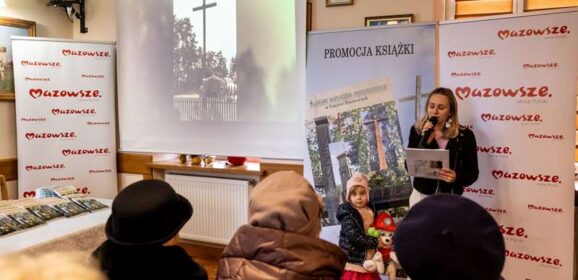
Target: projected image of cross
(204, 8)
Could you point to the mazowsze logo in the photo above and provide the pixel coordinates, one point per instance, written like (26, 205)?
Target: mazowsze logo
(494, 150)
(482, 191)
(96, 171)
(26, 63)
(83, 190)
(98, 123)
(540, 65)
(58, 179)
(522, 176)
(468, 53)
(36, 79)
(85, 53)
(29, 194)
(96, 151)
(91, 76)
(73, 111)
(541, 208)
(486, 117)
(32, 119)
(50, 135)
(533, 32)
(44, 167)
(465, 74)
(546, 136)
(533, 258)
(496, 210)
(513, 231)
(522, 91)
(38, 92)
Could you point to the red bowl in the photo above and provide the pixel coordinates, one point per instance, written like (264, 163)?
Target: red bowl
(236, 160)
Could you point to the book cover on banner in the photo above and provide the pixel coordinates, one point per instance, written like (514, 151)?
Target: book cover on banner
(356, 129)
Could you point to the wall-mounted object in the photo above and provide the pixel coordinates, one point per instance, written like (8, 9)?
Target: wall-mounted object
(10, 27)
(388, 20)
(309, 15)
(72, 8)
(333, 3)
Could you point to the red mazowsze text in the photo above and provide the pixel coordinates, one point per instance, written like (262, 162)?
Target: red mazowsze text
(73, 111)
(546, 136)
(58, 179)
(97, 151)
(465, 74)
(528, 32)
(499, 174)
(67, 52)
(511, 118)
(44, 167)
(533, 258)
(540, 65)
(466, 53)
(36, 79)
(40, 63)
(38, 92)
(513, 231)
(50, 135)
(545, 209)
(496, 210)
(494, 150)
(522, 91)
(485, 191)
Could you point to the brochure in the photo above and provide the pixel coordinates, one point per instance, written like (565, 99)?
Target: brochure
(425, 163)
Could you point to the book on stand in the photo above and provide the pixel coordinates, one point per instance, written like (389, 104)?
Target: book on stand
(24, 218)
(38, 208)
(72, 194)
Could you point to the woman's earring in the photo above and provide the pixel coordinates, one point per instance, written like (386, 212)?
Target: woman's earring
(448, 123)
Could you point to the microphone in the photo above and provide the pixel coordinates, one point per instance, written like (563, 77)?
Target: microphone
(433, 120)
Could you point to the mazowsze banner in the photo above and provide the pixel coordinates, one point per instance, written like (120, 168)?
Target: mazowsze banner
(65, 116)
(361, 88)
(515, 81)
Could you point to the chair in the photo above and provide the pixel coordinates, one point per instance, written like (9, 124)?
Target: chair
(3, 189)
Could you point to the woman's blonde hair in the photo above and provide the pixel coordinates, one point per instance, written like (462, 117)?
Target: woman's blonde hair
(50, 266)
(454, 128)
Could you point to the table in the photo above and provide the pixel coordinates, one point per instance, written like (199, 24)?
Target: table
(84, 232)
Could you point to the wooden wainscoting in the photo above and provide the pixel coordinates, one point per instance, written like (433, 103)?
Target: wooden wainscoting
(134, 164)
(9, 168)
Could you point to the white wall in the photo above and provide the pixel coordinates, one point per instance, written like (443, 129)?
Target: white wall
(341, 17)
(100, 21)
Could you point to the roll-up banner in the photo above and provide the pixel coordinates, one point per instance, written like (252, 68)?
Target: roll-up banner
(65, 115)
(361, 89)
(515, 80)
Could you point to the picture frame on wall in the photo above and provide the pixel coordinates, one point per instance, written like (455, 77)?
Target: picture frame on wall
(309, 16)
(11, 27)
(333, 3)
(388, 20)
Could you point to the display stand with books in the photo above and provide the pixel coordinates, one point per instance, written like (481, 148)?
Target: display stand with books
(81, 232)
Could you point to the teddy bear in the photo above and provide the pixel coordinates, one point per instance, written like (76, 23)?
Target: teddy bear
(383, 228)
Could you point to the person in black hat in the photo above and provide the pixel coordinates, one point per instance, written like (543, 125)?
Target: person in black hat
(449, 237)
(145, 215)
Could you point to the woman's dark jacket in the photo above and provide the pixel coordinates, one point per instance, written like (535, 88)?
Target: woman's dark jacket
(352, 238)
(463, 160)
(150, 262)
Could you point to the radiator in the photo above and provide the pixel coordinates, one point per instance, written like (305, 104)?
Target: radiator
(220, 206)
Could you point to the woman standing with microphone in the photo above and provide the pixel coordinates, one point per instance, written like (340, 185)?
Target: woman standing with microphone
(439, 128)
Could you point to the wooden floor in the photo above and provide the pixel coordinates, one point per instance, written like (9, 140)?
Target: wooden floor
(206, 255)
(209, 265)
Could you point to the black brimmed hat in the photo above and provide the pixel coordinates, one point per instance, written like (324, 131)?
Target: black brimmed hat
(148, 212)
(449, 237)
